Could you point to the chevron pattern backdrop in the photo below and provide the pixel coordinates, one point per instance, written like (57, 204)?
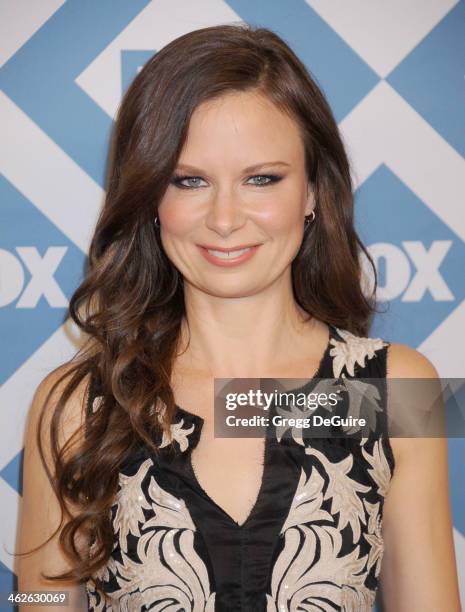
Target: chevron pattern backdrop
(393, 73)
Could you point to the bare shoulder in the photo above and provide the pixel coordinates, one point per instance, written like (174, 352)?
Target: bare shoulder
(69, 430)
(46, 395)
(403, 362)
(56, 381)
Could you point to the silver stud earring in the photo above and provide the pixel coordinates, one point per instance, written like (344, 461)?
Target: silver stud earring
(156, 223)
(310, 218)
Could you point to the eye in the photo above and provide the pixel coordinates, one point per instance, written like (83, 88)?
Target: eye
(178, 179)
(269, 178)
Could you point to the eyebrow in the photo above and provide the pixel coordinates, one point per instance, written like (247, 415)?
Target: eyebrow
(189, 168)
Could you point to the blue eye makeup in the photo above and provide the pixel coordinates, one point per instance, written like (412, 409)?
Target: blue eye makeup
(178, 180)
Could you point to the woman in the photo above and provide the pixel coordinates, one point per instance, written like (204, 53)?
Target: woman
(226, 248)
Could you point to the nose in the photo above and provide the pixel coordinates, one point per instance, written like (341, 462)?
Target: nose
(225, 213)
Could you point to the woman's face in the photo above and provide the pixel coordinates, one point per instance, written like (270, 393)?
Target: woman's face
(217, 200)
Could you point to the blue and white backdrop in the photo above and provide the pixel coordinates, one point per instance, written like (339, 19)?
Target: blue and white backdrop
(393, 73)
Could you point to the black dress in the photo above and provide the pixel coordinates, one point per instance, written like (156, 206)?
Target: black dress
(312, 541)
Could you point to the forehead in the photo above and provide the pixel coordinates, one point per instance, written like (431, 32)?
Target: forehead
(243, 124)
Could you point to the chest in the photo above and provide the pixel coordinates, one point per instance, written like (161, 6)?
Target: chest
(228, 470)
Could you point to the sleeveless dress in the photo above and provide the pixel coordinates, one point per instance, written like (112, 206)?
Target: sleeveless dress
(312, 541)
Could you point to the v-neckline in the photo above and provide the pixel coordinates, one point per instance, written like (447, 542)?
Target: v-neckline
(199, 421)
(230, 519)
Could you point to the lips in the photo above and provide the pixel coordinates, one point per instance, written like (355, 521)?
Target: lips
(225, 257)
(228, 254)
(212, 247)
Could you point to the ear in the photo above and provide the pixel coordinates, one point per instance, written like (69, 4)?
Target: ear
(310, 203)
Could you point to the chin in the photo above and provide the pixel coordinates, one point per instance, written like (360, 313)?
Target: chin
(232, 290)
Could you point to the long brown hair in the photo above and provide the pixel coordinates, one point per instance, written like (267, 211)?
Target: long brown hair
(131, 301)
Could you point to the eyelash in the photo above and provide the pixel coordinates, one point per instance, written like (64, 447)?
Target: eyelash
(177, 180)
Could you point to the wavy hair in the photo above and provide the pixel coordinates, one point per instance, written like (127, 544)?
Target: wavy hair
(130, 303)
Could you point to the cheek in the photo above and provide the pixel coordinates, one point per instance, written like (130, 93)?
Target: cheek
(280, 217)
(174, 219)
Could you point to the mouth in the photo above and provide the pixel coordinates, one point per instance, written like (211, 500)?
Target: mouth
(233, 254)
(228, 254)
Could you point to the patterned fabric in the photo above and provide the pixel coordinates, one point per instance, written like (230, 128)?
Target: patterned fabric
(312, 541)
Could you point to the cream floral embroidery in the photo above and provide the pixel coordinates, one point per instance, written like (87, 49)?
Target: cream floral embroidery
(342, 490)
(309, 572)
(307, 502)
(363, 398)
(380, 470)
(360, 599)
(165, 551)
(352, 350)
(176, 431)
(111, 567)
(374, 537)
(179, 434)
(118, 597)
(130, 503)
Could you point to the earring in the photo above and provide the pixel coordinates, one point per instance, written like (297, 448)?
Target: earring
(307, 218)
(155, 222)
